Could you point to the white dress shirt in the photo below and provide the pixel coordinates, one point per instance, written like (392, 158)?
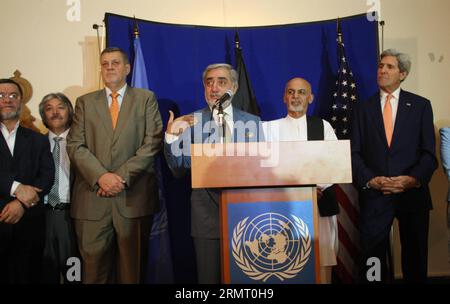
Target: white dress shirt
(121, 93)
(293, 129)
(394, 102)
(64, 167)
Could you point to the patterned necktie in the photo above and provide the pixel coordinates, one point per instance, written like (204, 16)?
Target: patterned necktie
(114, 109)
(387, 119)
(53, 196)
(224, 131)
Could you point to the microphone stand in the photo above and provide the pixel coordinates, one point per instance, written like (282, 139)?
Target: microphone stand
(221, 123)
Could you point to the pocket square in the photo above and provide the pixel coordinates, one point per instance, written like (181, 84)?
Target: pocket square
(408, 104)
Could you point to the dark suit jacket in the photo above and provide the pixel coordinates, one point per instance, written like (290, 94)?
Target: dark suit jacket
(205, 202)
(412, 152)
(32, 164)
(95, 148)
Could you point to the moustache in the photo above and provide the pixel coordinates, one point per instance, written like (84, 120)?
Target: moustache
(55, 117)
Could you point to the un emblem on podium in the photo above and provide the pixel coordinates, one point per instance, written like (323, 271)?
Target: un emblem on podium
(271, 244)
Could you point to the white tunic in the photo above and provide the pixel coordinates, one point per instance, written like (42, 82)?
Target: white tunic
(293, 129)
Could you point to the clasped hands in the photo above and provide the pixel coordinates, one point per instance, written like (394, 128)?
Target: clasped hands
(392, 185)
(110, 184)
(26, 196)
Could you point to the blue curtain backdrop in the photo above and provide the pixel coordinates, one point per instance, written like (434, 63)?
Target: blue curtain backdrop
(176, 55)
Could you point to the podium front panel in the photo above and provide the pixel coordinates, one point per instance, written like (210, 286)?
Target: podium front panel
(270, 236)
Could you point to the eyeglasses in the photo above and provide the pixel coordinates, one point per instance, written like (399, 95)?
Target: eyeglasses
(11, 96)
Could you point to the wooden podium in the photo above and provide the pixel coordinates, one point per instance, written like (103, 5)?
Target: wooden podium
(260, 181)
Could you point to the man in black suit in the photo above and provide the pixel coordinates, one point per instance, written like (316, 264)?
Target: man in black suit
(26, 175)
(393, 159)
(56, 112)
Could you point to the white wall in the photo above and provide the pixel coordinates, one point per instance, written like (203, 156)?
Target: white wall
(55, 54)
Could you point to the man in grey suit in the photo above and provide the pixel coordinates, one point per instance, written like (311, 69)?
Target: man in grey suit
(56, 112)
(115, 135)
(236, 126)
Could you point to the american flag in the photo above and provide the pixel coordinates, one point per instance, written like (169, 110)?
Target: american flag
(345, 94)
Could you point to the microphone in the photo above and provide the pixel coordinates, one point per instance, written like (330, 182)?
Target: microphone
(96, 26)
(227, 95)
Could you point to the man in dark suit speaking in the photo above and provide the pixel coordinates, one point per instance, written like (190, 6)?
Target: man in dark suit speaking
(393, 159)
(234, 126)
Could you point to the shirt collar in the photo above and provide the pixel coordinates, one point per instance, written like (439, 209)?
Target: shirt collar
(52, 135)
(296, 120)
(395, 94)
(3, 128)
(121, 91)
(228, 110)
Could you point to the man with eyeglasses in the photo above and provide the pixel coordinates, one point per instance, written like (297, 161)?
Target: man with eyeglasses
(218, 80)
(26, 176)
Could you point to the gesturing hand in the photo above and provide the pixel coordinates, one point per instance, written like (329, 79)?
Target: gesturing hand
(177, 126)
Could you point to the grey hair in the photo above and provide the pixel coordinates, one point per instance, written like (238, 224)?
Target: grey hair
(404, 61)
(114, 49)
(61, 97)
(233, 73)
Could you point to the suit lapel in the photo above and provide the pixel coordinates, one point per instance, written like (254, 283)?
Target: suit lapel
(237, 117)
(124, 113)
(4, 150)
(401, 118)
(21, 142)
(101, 106)
(207, 122)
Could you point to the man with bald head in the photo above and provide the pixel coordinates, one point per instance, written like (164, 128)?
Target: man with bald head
(298, 126)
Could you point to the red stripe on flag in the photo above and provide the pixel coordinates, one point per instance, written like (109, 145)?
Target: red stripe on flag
(346, 204)
(344, 240)
(343, 273)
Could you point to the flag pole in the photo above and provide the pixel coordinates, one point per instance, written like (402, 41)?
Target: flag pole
(339, 30)
(136, 28)
(236, 40)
